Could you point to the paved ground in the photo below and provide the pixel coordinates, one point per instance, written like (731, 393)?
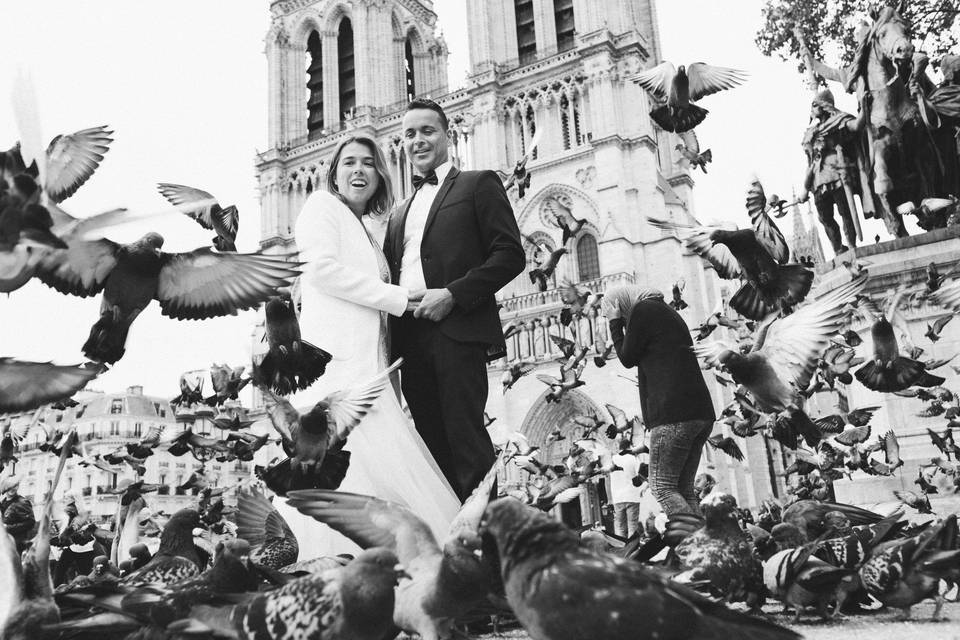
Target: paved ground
(877, 626)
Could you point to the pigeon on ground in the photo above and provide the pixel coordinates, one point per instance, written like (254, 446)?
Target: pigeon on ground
(902, 573)
(808, 516)
(675, 89)
(354, 602)
(722, 555)
(176, 558)
(560, 590)
(259, 523)
(800, 580)
(446, 580)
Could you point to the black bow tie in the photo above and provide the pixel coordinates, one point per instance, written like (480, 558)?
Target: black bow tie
(430, 178)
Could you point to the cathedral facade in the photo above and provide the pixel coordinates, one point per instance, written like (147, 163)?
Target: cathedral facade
(552, 70)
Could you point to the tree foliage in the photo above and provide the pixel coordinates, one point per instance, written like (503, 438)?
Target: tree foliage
(829, 27)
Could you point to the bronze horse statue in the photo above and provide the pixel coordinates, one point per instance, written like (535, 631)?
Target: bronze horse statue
(910, 159)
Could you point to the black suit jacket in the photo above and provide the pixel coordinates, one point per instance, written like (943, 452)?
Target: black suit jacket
(471, 246)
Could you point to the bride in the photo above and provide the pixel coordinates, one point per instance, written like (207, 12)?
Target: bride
(345, 298)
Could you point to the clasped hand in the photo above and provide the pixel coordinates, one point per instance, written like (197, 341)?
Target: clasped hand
(431, 304)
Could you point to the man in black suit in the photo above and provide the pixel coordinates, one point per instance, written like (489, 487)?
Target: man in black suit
(457, 239)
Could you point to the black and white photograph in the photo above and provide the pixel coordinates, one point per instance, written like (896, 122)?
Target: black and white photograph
(480, 319)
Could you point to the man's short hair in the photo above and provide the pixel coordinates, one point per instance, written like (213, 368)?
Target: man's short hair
(427, 103)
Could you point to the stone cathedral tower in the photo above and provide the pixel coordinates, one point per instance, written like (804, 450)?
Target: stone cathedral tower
(555, 69)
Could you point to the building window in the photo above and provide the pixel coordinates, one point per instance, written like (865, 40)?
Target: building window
(137, 429)
(526, 33)
(565, 122)
(314, 86)
(531, 122)
(563, 18)
(410, 84)
(348, 82)
(116, 406)
(80, 411)
(588, 262)
(114, 428)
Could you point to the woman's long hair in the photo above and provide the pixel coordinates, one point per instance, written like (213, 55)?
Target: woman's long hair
(382, 201)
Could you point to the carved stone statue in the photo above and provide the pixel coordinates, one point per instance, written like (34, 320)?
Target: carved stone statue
(832, 146)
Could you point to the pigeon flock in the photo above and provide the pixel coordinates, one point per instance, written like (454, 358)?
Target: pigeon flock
(214, 570)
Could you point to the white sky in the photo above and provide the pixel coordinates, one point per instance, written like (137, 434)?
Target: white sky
(183, 85)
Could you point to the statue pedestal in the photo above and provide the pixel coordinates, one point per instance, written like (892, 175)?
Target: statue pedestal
(893, 264)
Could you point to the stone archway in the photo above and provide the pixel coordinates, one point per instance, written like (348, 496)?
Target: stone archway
(545, 417)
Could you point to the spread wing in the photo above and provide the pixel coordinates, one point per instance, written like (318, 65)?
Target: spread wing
(689, 139)
(204, 284)
(549, 380)
(765, 229)
(657, 80)
(72, 159)
(152, 437)
(368, 521)
(468, 518)
(705, 79)
(81, 269)
(283, 416)
(697, 239)
(948, 296)
(793, 344)
(564, 345)
(348, 407)
(195, 203)
(27, 385)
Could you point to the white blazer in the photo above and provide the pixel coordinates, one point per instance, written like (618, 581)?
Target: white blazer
(342, 294)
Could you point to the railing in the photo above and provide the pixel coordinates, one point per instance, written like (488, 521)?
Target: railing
(516, 63)
(551, 297)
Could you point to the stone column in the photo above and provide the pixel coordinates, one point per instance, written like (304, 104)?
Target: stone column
(275, 90)
(545, 26)
(331, 79)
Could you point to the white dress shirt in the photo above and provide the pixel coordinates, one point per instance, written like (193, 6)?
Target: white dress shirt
(411, 269)
(621, 482)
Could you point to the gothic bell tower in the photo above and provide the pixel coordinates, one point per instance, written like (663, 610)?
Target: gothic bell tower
(320, 54)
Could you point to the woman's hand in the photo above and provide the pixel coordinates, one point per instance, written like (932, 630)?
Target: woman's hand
(414, 298)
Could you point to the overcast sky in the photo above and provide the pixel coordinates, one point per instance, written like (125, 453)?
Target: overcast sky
(183, 85)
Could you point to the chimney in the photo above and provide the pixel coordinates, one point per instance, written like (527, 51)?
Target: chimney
(135, 390)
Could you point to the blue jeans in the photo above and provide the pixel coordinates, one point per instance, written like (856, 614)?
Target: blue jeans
(674, 457)
(626, 517)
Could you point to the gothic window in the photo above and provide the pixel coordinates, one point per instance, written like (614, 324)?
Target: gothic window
(577, 128)
(565, 121)
(526, 34)
(348, 82)
(410, 85)
(588, 261)
(563, 19)
(531, 130)
(116, 406)
(314, 86)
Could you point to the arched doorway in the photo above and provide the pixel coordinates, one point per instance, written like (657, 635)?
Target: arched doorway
(541, 420)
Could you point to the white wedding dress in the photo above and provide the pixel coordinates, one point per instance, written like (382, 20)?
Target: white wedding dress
(345, 298)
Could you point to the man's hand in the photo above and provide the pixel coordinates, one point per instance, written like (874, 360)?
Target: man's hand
(414, 298)
(435, 305)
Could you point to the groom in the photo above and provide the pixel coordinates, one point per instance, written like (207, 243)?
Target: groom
(457, 239)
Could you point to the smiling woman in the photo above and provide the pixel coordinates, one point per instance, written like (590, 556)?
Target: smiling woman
(359, 177)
